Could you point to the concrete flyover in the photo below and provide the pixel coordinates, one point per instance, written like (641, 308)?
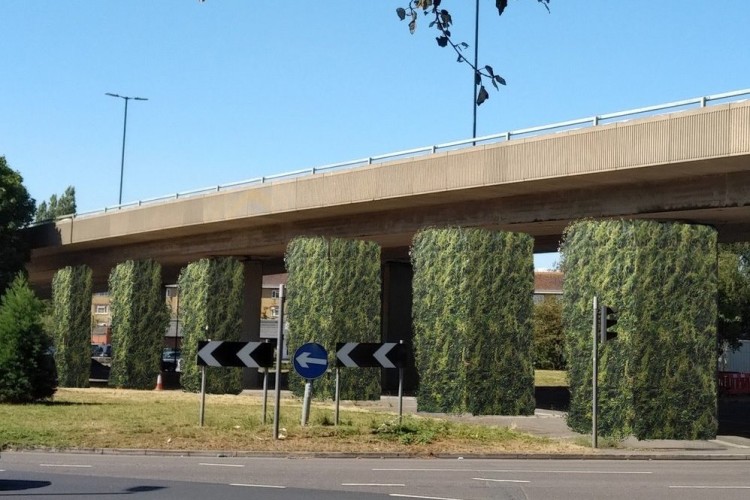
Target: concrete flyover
(691, 165)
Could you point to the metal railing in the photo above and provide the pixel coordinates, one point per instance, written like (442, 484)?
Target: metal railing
(591, 121)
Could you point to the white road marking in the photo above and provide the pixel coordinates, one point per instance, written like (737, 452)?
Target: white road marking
(373, 484)
(258, 485)
(417, 496)
(519, 470)
(222, 465)
(500, 480)
(66, 465)
(713, 487)
(731, 445)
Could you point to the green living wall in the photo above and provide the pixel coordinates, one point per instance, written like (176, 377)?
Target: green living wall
(71, 325)
(472, 315)
(657, 379)
(139, 320)
(210, 294)
(334, 296)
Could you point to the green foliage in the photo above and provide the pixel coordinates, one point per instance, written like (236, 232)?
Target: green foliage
(71, 324)
(27, 369)
(549, 336)
(657, 379)
(334, 296)
(139, 320)
(16, 211)
(734, 294)
(472, 321)
(442, 20)
(57, 207)
(210, 308)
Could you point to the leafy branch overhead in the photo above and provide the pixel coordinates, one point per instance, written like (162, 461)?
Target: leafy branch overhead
(442, 21)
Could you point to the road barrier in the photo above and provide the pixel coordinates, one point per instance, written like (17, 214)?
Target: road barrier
(734, 383)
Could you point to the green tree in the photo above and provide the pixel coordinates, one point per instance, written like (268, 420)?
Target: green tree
(57, 207)
(16, 211)
(71, 299)
(549, 336)
(27, 369)
(734, 294)
(139, 319)
(442, 20)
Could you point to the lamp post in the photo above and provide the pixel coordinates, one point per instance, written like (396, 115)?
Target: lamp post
(476, 67)
(124, 129)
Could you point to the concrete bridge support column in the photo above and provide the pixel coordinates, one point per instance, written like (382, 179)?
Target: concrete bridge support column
(396, 322)
(253, 272)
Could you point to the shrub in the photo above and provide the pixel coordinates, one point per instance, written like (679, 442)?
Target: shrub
(549, 336)
(27, 368)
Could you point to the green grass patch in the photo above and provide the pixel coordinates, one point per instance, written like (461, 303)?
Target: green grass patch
(551, 378)
(109, 418)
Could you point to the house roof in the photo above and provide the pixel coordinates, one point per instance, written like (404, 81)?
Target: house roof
(274, 280)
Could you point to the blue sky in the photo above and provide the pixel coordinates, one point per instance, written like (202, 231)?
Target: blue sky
(239, 89)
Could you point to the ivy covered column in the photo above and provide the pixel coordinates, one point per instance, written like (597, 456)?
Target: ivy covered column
(657, 379)
(71, 324)
(472, 309)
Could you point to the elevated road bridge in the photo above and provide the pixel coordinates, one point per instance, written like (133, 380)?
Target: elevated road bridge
(688, 165)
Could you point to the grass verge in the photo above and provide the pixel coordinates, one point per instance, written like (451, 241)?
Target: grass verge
(114, 418)
(550, 378)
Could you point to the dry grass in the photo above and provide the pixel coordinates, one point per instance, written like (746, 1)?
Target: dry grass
(551, 378)
(110, 418)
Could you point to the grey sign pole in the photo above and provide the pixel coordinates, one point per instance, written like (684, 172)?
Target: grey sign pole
(279, 351)
(203, 394)
(400, 390)
(338, 396)
(594, 378)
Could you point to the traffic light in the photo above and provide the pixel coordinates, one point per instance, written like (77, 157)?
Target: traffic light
(608, 319)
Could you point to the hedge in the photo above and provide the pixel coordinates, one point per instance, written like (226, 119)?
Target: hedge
(472, 309)
(71, 325)
(657, 379)
(139, 320)
(334, 296)
(210, 308)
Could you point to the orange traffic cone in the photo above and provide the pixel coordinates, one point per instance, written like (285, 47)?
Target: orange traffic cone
(159, 386)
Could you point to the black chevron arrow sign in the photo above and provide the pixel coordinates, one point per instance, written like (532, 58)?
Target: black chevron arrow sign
(370, 355)
(242, 354)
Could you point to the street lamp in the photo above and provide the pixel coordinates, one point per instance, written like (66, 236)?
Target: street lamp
(124, 129)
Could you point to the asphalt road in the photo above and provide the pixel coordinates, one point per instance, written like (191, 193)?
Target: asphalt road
(40, 475)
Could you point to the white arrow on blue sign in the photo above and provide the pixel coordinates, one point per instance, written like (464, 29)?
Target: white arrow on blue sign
(310, 361)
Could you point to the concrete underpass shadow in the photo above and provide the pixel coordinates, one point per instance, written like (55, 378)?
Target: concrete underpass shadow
(552, 398)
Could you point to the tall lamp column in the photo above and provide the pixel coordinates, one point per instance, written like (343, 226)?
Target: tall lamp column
(124, 130)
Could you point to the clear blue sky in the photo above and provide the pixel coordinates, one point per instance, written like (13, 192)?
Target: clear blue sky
(239, 89)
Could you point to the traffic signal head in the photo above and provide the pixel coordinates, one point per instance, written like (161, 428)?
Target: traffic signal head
(608, 318)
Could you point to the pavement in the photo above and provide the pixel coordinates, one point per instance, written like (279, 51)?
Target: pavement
(552, 424)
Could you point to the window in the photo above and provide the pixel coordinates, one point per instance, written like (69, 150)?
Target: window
(101, 309)
(274, 294)
(274, 312)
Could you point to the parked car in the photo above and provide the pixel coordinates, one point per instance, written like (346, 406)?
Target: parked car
(170, 359)
(101, 350)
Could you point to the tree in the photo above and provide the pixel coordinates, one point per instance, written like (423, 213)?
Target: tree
(734, 294)
(442, 21)
(549, 336)
(16, 211)
(57, 207)
(27, 369)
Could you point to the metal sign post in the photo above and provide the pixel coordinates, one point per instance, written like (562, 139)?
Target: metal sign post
(310, 362)
(400, 388)
(594, 378)
(203, 394)
(279, 347)
(337, 396)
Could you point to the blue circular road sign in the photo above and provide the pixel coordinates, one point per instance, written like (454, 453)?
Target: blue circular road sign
(310, 360)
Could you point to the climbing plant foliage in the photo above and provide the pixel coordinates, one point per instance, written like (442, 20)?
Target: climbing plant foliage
(472, 310)
(139, 319)
(657, 378)
(334, 296)
(210, 294)
(71, 325)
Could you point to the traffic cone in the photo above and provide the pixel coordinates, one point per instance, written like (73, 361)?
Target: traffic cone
(159, 386)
